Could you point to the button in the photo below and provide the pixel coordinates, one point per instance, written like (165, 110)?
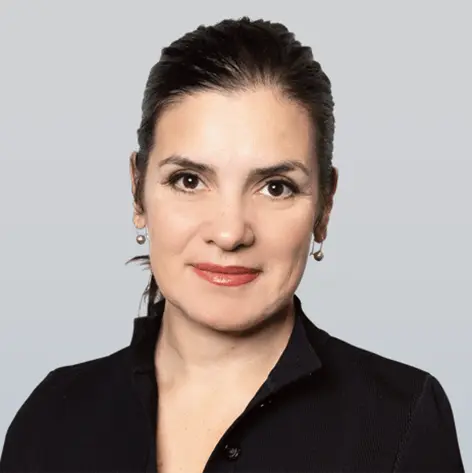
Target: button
(232, 453)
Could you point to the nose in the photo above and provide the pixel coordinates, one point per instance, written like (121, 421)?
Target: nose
(229, 227)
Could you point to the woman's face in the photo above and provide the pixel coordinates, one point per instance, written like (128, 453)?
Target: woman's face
(232, 181)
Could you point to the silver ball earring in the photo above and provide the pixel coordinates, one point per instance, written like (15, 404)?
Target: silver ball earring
(317, 255)
(141, 238)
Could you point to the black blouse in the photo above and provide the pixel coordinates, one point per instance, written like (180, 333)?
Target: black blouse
(326, 406)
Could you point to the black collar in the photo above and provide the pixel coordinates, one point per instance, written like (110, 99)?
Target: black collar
(298, 360)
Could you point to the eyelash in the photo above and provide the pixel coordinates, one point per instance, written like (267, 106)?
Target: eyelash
(174, 178)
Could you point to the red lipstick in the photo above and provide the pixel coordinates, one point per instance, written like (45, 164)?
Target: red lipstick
(225, 275)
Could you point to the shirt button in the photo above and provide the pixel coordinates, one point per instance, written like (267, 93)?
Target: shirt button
(232, 453)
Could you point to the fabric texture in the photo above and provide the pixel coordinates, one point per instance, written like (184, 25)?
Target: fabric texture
(326, 406)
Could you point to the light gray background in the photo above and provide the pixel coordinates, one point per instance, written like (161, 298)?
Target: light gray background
(396, 276)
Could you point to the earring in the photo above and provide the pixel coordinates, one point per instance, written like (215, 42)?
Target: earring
(141, 238)
(318, 255)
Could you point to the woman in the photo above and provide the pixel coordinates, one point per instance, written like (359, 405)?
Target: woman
(232, 181)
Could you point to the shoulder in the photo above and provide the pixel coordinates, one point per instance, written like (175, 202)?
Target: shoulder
(370, 379)
(350, 368)
(87, 375)
(80, 386)
(367, 372)
(77, 380)
(372, 366)
(81, 376)
(403, 400)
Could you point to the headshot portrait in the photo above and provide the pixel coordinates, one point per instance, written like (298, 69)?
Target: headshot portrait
(236, 252)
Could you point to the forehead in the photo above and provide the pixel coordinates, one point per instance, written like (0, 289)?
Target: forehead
(259, 126)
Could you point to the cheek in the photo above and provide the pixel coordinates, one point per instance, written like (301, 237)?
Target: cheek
(286, 235)
(170, 228)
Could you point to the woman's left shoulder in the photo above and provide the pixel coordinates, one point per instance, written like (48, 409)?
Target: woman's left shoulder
(397, 394)
(354, 362)
(376, 377)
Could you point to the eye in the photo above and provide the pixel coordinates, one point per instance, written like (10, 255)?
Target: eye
(185, 181)
(279, 189)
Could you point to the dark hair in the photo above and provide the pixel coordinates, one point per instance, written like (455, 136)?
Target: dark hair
(236, 55)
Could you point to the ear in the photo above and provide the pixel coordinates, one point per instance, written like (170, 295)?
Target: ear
(139, 220)
(321, 230)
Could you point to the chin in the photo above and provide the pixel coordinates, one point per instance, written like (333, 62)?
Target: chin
(227, 316)
(228, 312)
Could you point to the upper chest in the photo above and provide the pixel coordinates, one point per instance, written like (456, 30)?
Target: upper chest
(304, 427)
(291, 431)
(189, 428)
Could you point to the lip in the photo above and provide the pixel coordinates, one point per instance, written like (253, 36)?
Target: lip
(215, 268)
(226, 275)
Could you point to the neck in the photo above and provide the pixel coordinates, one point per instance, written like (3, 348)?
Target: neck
(189, 353)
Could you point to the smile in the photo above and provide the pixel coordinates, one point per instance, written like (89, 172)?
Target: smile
(226, 275)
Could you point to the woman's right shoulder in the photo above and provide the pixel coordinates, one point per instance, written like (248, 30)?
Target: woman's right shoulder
(62, 382)
(63, 392)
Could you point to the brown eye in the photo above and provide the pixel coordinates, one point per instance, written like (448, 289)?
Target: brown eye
(276, 189)
(189, 181)
(279, 189)
(185, 181)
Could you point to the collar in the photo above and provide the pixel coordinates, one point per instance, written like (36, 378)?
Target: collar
(298, 360)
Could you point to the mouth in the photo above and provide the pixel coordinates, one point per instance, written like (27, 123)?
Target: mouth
(226, 275)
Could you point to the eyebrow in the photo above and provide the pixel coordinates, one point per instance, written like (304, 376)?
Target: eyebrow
(257, 173)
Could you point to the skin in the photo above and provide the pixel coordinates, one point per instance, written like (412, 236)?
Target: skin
(212, 335)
